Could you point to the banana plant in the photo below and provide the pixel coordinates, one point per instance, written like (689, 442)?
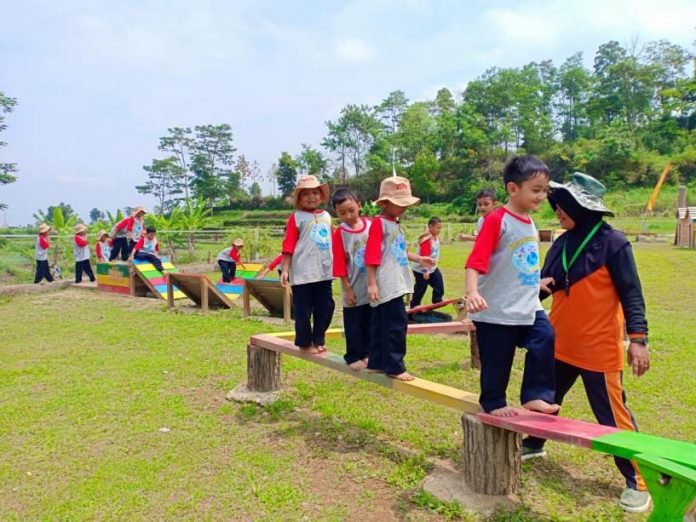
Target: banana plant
(193, 216)
(61, 227)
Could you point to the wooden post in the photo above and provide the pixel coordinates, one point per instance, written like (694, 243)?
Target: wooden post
(473, 348)
(170, 293)
(204, 296)
(246, 302)
(263, 369)
(131, 279)
(492, 462)
(287, 305)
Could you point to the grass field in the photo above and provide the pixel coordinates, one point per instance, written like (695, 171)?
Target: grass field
(112, 408)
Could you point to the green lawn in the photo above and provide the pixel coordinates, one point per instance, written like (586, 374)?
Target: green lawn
(88, 382)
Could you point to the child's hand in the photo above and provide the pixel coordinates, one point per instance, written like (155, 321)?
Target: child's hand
(284, 278)
(426, 276)
(475, 302)
(350, 296)
(427, 262)
(546, 283)
(373, 292)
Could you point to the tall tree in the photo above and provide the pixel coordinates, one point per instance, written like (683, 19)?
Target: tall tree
(574, 87)
(312, 161)
(96, 215)
(212, 163)
(66, 213)
(7, 170)
(180, 143)
(165, 180)
(286, 174)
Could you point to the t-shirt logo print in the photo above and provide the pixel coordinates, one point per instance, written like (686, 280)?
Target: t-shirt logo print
(321, 235)
(398, 249)
(525, 258)
(359, 257)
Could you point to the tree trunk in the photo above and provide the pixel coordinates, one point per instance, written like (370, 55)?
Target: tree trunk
(263, 369)
(473, 348)
(492, 461)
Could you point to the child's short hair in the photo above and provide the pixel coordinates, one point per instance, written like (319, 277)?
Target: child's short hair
(342, 195)
(150, 229)
(487, 193)
(434, 221)
(522, 168)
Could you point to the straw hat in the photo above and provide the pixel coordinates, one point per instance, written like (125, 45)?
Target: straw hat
(586, 190)
(137, 210)
(79, 228)
(101, 234)
(310, 182)
(397, 190)
(43, 228)
(238, 242)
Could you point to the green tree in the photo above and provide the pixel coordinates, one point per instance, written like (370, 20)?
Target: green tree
(286, 174)
(192, 217)
(66, 212)
(312, 161)
(7, 170)
(165, 180)
(574, 88)
(96, 215)
(212, 163)
(180, 143)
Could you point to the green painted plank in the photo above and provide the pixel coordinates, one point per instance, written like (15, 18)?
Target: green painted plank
(629, 443)
(671, 486)
(151, 274)
(103, 268)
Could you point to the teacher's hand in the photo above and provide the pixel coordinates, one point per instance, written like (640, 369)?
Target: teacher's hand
(638, 358)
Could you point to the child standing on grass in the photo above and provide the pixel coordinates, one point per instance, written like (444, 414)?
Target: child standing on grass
(82, 255)
(147, 249)
(486, 202)
(502, 282)
(228, 259)
(349, 241)
(308, 264)
(429, 246)
(103, 247)
(389, 279)
(41, 255)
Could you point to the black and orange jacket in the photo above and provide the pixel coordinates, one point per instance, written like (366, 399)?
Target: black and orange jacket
(603, 301)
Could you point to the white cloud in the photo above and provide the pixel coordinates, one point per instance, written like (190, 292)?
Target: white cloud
(354, 50)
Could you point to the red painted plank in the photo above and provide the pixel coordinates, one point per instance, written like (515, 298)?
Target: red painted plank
(442, 328)
(425, 308)
(114, 289)
(159, 281)
(570, 431)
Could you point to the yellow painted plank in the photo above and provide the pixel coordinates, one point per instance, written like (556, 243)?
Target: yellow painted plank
(112, 281)
(178, 294)
(145, 267)
(413, 329)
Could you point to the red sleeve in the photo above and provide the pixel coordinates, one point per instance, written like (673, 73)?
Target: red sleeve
(234, 254)
(486, 242)
(292, 235)
(156, 246)
(139, 244)
(99, 252)
(425, 247)
(340, 269)
(373, 248)
(276, 262)
(44, 242)
(80, 241)
(126, 222)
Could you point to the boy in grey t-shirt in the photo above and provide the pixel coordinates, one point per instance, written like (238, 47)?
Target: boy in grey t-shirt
(502, 281)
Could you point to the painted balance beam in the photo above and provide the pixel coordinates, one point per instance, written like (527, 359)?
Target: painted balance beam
(199, 289)
(146, 278)
(113, 277)
(455, 327)
(458, 303)
(671, 485)
(234, 289)
(432, 391)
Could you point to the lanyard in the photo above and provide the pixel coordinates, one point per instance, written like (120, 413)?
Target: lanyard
(564, 259)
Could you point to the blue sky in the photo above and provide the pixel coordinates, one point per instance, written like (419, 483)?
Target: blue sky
(98, 82)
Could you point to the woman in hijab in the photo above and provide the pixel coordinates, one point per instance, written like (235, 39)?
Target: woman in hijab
(597, 297)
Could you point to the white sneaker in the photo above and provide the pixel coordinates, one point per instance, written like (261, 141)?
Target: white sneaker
(634, 501)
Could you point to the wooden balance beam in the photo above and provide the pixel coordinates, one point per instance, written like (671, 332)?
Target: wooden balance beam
(199, 289)
(669, 466)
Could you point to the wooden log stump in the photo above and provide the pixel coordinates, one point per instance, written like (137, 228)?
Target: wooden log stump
(263, 369)
(492, 461)
(473, 348)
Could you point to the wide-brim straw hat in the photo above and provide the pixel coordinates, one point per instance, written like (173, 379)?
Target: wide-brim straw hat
(101, 234)
(310, 182)
(43, 228)
(79, 228)
(586, 190)
(136, 210)
(238, 242)
(397, 190)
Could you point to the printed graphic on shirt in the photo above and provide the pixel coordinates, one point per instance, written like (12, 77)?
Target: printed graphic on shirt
(358, 256)
(321, 235)
(525, 259)
(435, 253)
(398, 249)
(137, 229)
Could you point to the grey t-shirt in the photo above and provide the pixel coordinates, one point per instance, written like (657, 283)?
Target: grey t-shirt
(351, 244)
(386, 249)
(308, 239)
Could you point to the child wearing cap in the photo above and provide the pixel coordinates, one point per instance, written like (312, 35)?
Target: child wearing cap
(429, 246)
(228, 258)
(389, 279)
(147, 249)
(41, 255)
(308, 264)
(126, 232)
(349, 241)
(81, 253)
(104, 245)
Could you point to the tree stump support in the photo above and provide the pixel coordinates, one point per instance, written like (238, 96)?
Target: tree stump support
(473, 348)
(263, 378)
(492, 462)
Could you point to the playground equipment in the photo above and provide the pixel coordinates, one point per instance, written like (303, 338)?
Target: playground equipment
(139, 280)
(271, 294)
(492, 444)
(685, 235)
(199, 289)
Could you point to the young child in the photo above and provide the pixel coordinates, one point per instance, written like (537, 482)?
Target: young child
(349, 241)
(502, 282)
(486, 202)
(277, 260)
(389, 279)
(41, 255)
(82, 255)
(429, 246)
(308, 264)
(126, 232)
(104, 245)
(147, 249)
(228, 259)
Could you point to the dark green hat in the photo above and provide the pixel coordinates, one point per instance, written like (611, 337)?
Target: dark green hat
(586, 190)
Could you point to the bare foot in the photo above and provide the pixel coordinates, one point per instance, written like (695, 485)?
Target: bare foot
(309, 349)
(405, 376)
(358, 365)
(505, 411)
(541, 406)
(321, 348)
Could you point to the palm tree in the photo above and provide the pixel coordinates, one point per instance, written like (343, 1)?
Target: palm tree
(193, 216)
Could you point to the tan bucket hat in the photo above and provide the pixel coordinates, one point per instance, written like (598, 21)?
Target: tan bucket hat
(238, 242)
(397, 190)
(43, 228)
(101, 234)
(79, 228)
(310, 182)
(137, 210)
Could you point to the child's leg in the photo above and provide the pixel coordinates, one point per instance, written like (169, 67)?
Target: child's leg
(394, 336)
(497, 345)
(375, 354)
(127, 249)
(322, 311)
(38, 275)
(115, 248)
(538, 382)
(225, 271)
(156, 261)
(356, 324)
(302, 305)
(419, 289)
(78, 271)
(232, 270)
(47, 272)
(88, 270)
(438, 285)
